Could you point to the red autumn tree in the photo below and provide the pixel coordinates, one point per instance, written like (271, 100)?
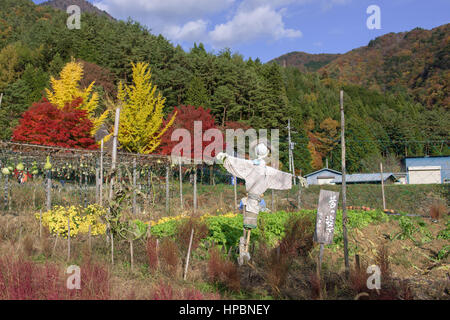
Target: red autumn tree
(43, 123)
(186, 116)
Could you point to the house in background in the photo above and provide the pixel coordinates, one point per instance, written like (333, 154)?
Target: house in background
(388, 178)
(322, 176)
(425, 170)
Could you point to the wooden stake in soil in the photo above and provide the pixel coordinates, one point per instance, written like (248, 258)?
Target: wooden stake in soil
(195, 189)
(114, 152)
(49, 190)
(181, 184)
(188, 255)
(344, 186)
(40, 223)
(167, 189)
(131, 254)
(235, 193)
(68, 239)
(101, 174)
(89, 239)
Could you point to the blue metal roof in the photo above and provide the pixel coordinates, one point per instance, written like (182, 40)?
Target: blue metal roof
(365, 177)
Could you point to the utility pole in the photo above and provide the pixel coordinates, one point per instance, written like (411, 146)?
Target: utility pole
(1, 98)
(344, 186)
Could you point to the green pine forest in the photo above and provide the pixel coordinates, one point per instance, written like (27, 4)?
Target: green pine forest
(35, 44)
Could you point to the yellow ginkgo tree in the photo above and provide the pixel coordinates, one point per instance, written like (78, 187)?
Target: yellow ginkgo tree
(141, 116)
(67, 88)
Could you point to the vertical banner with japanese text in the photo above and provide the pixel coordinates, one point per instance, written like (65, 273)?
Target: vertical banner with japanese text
(326, 216)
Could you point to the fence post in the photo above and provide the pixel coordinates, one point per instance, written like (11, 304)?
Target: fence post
(235, 193)
(68, 238)
(49, 190)
(167, 188)
(97, 185)
(181, 184)
(6, 191)
(114, 152)
(101, 174)
(188, 255)
(195, 189)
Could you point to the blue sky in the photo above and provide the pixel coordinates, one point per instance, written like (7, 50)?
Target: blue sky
(268, 29)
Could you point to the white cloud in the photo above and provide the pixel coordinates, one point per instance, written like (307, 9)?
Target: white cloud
(193, 31)
(196, 20)
(262, 22)
(166, 10)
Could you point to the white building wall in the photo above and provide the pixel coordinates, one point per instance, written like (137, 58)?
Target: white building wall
(424, 175)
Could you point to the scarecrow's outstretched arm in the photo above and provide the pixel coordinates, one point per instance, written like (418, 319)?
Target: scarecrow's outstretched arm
(240, 168)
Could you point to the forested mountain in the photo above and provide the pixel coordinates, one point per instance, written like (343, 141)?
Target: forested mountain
(416, 62)
(305, 62)
(84, 5)
(35, 44)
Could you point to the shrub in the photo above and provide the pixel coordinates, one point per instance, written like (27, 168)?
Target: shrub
(169, 256)
(152, 253)
(223, 271)
(183, 233)
(438, 210)
(80, 220)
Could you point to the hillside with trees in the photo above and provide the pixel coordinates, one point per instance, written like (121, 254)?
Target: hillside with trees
(84, 5)
(415, 62)
(35, 45)
(305, 62)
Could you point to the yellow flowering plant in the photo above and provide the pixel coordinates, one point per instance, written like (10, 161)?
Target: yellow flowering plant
(80, 219)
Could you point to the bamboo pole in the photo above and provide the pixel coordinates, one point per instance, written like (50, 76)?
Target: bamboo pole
(167, 189)
(195, 189)
(235, 193)
(188, 254)
(114, 152)
(344, 185)
(68, 238)
(101, 174)
(181, 184)
(49, 190)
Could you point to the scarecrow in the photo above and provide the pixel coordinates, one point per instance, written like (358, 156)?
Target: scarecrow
(258, 178)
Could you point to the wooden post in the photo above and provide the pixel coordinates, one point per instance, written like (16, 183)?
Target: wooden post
(40, 223)
(131, 254)
(114, 153)
(382, 186)
(273, 200)
(344, 186)
(167, 189)
(68, 238)
(101, 174)
(320, 257)
(181, 184)
(195, 189)
(6, 191)
(89, 239)
(134, 186)
(235, 193)
(188, 255)
(299, 196)
(49, 190)
(97, 185)
(85, 188)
